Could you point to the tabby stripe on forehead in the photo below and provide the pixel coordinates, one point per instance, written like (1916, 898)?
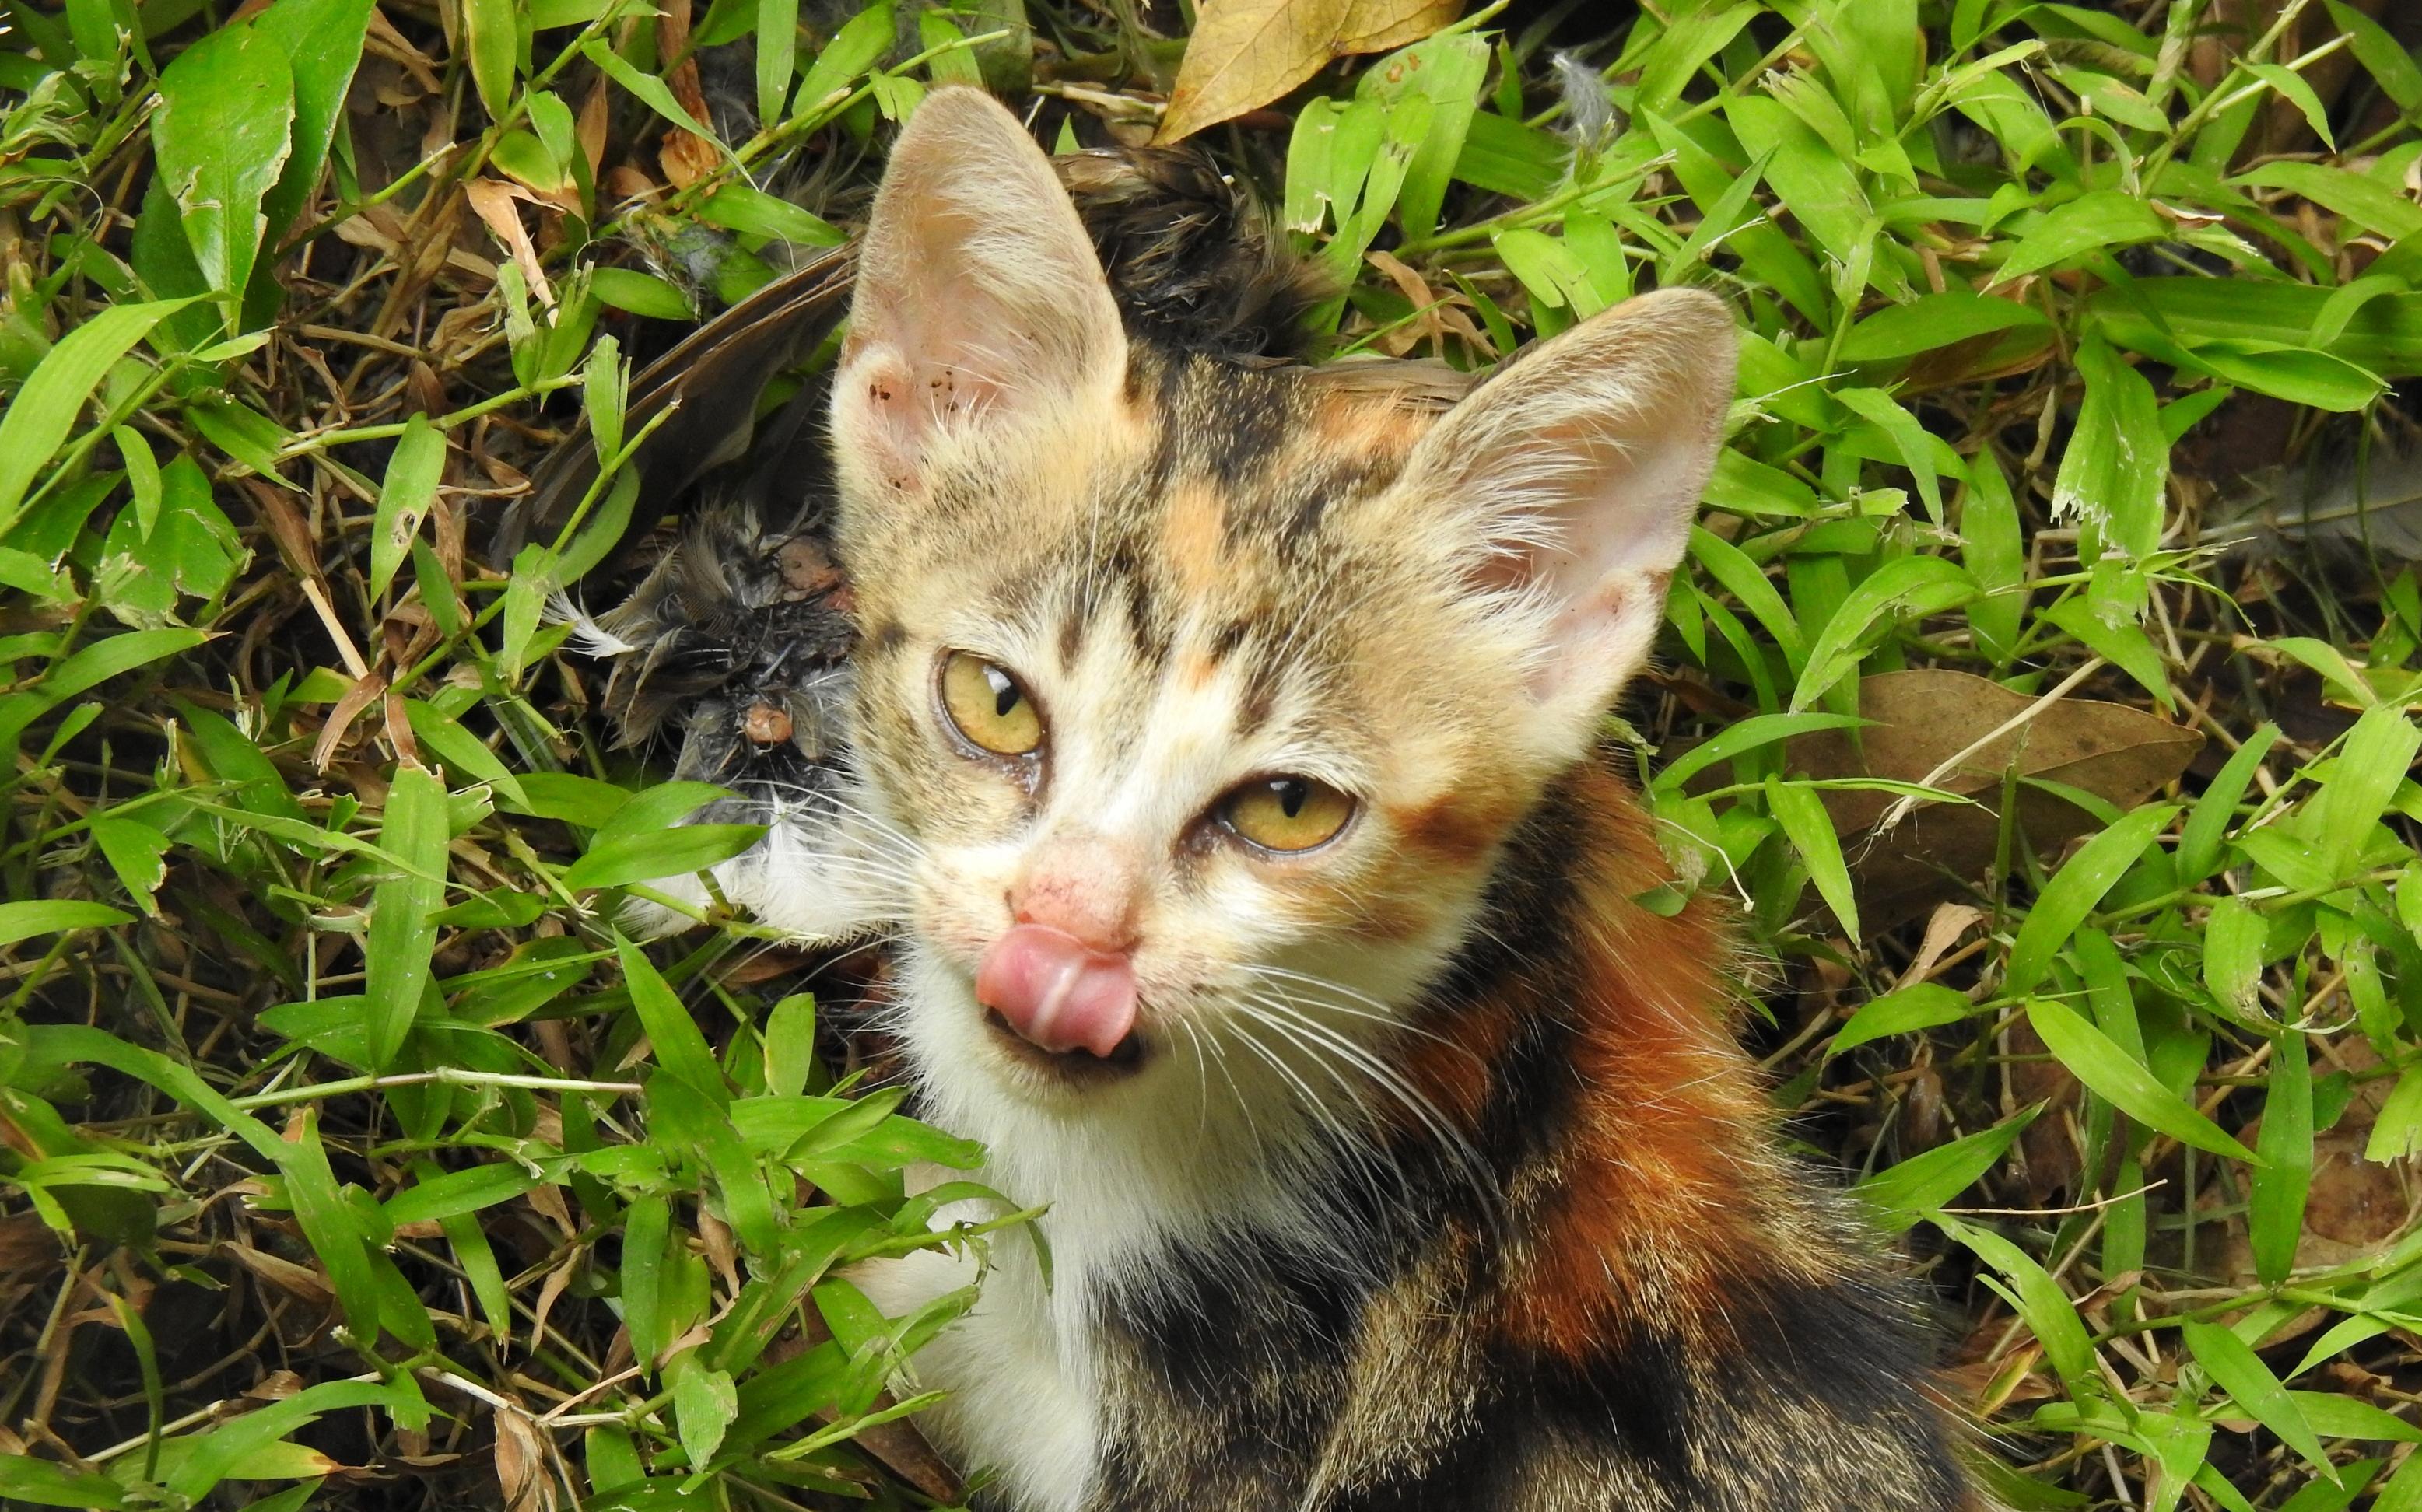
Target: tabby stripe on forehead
(1261, 697)
(1146, 628)
(1232, 635)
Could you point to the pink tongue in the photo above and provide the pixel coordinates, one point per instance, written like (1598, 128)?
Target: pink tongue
(1057, 993)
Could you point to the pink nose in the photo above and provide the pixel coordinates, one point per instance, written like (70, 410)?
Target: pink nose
(1056, 993)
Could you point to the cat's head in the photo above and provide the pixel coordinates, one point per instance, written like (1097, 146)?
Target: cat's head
(1201, 698)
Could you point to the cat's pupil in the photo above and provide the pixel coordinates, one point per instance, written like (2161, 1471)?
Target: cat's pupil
(1292, 793)
(1004, 692)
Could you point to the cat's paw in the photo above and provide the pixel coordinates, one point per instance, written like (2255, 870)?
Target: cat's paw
(819, 875)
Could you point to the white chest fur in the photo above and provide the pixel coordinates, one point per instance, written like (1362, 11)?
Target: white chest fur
(1144, 1169)
(1020, 1369)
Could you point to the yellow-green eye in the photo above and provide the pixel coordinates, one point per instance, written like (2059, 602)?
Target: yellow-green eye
(1286, 813)
(988, 705)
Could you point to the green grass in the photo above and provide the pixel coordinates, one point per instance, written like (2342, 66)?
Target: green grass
(342, 1135)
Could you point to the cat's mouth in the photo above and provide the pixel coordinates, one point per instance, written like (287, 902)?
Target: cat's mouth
(1076, 1068)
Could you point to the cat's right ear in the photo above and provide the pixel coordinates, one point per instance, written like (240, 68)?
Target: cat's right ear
(980, 300)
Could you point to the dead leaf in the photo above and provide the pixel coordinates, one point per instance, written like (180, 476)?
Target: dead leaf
(547, 1202)
(626, 185)
(521, 1465)
(1378, 26)
(686, 157)
(286, 524)
(715, 1236)
(1923, 717)
(379, 228)
(398, 731)
(901, 1447)
(491, 200)
(274, 1387)
(300, 1281)
(590, 131)
(365, 691)
(388, 43)
(2353, 1208)
(1433, 317)
(28, 1246)
(548, 1291)
(1247, 52)
(1942, 929)
(2050, 1159)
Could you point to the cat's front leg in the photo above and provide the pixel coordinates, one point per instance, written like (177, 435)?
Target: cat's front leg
(1022, 1398)
(826, 874)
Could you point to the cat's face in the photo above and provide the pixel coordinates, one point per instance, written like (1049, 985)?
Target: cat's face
(1201, 700)
(1182, 680)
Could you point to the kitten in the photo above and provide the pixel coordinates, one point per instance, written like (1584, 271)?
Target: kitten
(1227, 741)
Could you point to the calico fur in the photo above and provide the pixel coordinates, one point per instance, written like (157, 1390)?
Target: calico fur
(1440, 1181)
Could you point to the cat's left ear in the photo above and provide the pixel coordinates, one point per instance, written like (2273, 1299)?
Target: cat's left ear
(980, 300)
(1581, 466)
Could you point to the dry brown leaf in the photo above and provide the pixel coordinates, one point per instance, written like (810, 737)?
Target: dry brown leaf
(491, 200)
(2050, 1160)
(547, 1202)
(28, 1246)
(363, 231)
(548, 1291)
(1923, 717)
(387, 42)
(685, 156)
(1943, 928)
(590, 128)
(2354, 1209)
(379, 228)
(691, 1338)
(1377, 26)
(715, 1236)
(303, 1281)
(1433, 316)
(286, 524)
(901, 1447)
(363, 691)
(626, 185)
(521, 1465)
(399, 732)
(1247, 52)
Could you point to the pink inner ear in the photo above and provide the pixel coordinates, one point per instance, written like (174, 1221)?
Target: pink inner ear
(979, 292)
(1582, 465)
(1589, 512)
(884, 397)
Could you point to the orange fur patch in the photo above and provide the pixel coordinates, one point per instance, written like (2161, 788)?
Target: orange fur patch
(1663, 1196)
(1453, 832)
(1191, 535)
(1449, 1067)
(1365, 427)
